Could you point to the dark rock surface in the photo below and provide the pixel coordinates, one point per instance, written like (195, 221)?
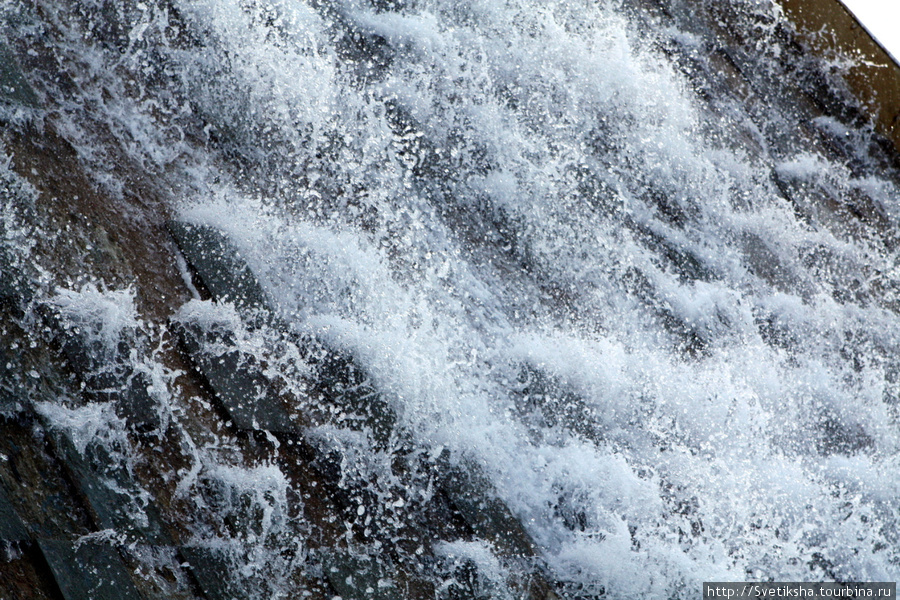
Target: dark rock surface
(88, 570)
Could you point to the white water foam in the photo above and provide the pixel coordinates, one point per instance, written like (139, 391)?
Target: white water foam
(466, 192)
(481, 223)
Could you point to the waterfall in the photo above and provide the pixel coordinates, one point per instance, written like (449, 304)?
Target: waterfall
(430, 298)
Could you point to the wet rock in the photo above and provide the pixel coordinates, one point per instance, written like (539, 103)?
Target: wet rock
(765, 264)
(24, 574)
(342, 382)
(135, 405)
(247, 395)
(110, 376)
(545, 402)
(238, 382)
(776, 331)
(838, 436)
(683, 260)
(358, 45)
(818, 201)
(112, 495)
(359, 577)
(88, 570)
(15, 290)
(213, 573)
(12, 529)
(37, 484)
(473, 496)
(11, 391)
(14, 88)
(461, 580)
(688, 338)
(459, 576)
(222, 270)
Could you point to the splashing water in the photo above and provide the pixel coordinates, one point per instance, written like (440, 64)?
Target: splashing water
(630, 306)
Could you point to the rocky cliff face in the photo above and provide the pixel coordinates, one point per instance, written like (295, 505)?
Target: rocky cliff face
(429, 300)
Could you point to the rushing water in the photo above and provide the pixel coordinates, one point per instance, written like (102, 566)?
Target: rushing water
(553, 257)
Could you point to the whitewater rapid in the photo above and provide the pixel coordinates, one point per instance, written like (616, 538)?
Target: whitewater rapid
(555, 259)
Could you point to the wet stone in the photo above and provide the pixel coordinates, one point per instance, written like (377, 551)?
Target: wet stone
(687, 338)
(461, 581)
(88, 570)
(490, 519)
(343, 383)
(107, 375)
(765, 264)
(545, 402)
(836, 435)
(12, 529)
(238, 382)
(14, 88)
(15, 291)
(460, 577)
(135, 404)
(36, 482)
(244, 391)
(90, 361)
(220, 267)
(816, 204)
(11, 393)
(94, 362)
(24, 574)
(360, 577)
(685, 262)
(213, 573)
(367, 50)
(111, 494)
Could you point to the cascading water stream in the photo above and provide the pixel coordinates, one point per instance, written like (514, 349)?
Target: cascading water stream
(557, 256)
